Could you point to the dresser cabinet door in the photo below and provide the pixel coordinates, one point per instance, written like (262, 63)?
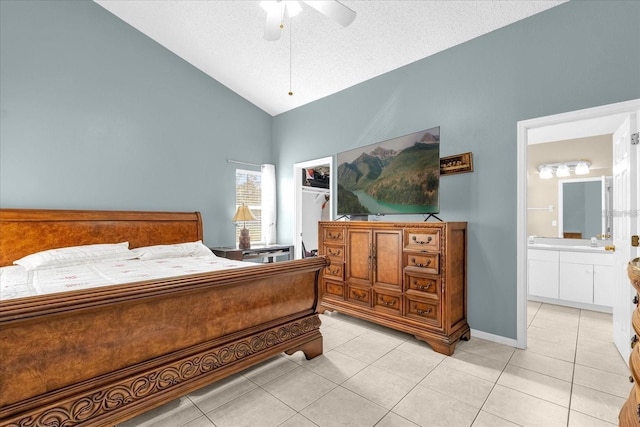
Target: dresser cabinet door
(387, 256)
(359, 253)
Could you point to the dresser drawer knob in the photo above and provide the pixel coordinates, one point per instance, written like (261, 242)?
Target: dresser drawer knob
(630, 379)
(360, 296)
(418, 264)
(422, 242)
(634, 340)
(424, 312)
(635, 300)
(421, 287)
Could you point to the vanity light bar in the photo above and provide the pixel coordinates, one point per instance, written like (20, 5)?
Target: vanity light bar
(563, 169)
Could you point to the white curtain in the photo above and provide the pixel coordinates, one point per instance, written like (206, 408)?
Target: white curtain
(268, 204)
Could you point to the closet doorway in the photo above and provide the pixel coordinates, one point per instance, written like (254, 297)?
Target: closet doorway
(313, 202)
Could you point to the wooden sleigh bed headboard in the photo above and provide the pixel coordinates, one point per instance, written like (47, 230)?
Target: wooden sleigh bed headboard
(97, 357)
(26, 231)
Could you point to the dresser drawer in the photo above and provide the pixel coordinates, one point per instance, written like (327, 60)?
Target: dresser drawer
(333, 235)
(429, 263)
(422, 240)
(334, 271)
(331, 289)
(360, 296)
(334, 252)
(422, 285)
(388, 302)
(423, 310)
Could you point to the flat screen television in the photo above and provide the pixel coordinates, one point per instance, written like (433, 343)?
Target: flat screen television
(397, 176)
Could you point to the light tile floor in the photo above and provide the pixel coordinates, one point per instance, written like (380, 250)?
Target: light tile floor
(571, 375)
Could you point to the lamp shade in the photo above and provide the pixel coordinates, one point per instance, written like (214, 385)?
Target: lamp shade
(243, 213)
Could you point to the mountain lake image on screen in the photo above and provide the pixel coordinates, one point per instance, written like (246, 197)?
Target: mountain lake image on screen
(397, 176)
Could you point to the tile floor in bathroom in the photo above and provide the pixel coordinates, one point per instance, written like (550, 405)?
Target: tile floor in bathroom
(570, 375)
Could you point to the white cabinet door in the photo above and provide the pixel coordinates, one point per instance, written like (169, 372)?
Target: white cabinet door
(576, 282)
(603, 285)
(543, 278)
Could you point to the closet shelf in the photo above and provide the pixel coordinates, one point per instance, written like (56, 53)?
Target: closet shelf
(315, 190)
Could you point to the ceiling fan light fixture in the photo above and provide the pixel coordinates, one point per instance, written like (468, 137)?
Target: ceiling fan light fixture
(276, 12)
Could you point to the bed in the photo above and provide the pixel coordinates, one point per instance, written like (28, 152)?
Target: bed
(97, 357)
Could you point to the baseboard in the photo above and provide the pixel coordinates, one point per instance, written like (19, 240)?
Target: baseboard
(572, 304)
(494, 338)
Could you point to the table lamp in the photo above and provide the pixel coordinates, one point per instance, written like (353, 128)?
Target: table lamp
(244, 214)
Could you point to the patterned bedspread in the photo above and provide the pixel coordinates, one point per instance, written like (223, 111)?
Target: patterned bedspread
(17, 282)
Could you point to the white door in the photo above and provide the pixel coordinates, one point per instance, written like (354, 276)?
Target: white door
(625, 224)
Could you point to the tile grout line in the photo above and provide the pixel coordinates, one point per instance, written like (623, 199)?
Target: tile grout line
(573, 370)
(498, 379)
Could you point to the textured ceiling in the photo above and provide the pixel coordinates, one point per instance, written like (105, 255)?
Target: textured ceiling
(225, 40)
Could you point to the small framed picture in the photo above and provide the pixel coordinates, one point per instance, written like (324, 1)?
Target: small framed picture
(460, 163)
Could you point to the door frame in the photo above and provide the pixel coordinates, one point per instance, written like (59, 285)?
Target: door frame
(297, 203)
(530, 130)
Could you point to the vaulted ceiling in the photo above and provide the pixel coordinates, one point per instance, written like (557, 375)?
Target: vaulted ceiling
(315, 56)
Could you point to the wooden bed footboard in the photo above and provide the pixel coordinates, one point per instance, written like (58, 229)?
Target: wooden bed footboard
(100, 356)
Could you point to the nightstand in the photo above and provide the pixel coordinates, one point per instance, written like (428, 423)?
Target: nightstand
(271, 252)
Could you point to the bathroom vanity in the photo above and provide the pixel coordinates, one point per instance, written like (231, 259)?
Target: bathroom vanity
(571, 272)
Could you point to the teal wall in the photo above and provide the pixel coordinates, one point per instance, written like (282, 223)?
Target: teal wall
(577, 55)
(95, 115)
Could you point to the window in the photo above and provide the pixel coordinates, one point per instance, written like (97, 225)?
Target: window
(249, 192)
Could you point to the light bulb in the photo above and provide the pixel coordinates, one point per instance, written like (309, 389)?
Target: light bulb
(546, 172)
(582, 168)
(562, 171)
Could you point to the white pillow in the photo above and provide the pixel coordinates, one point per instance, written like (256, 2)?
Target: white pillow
(177, 250)
(75, 255)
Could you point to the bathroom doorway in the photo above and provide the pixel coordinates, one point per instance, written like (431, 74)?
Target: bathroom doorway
(601, 120)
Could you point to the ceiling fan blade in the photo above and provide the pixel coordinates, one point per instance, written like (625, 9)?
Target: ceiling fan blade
(272, 28)
(334, 10)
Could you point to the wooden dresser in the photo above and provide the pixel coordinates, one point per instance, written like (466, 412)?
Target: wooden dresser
(408, 276)
(630, 412)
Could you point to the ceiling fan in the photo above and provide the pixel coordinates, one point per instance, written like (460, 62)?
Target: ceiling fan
(276, 10)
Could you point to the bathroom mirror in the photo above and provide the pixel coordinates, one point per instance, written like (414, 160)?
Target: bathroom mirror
(584, 207)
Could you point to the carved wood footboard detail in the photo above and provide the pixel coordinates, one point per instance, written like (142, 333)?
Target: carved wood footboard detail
(100, 356)
(121, 395)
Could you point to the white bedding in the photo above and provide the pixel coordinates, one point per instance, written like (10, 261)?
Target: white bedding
(17, 282)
